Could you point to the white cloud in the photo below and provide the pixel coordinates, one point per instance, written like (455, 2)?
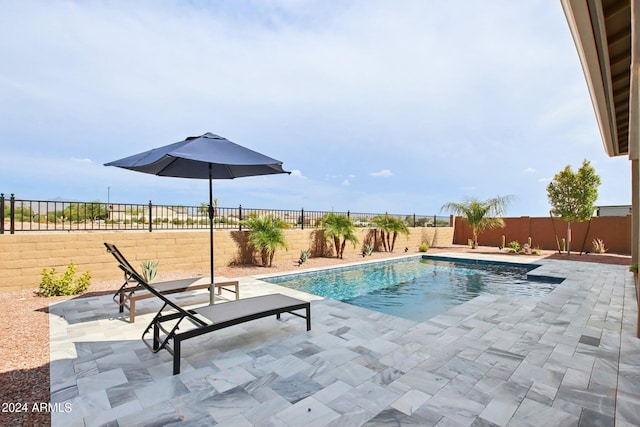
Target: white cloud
(545, 179)
(85, 160)
(384, 173)
(346, 183)
(530, 170)
(298, 174)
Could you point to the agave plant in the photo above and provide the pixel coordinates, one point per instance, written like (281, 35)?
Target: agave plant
(304, 256)
(149, 269)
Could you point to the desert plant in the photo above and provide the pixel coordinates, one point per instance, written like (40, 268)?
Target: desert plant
(266, 235)
(67, 284)
(389, 228)
(368, 250)
(480, 215)
(149, 269)
(424, 247)
(514, 247)
(304, 256)
(572, 195)
(336, 227)
(633, 268)
(598, 246)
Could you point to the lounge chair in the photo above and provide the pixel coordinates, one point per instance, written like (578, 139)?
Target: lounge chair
(131, 291)
(208, 318)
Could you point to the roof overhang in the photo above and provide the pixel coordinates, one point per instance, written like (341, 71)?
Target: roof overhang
(602, 32)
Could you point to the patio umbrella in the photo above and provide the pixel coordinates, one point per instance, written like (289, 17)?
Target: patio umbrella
(208, 156)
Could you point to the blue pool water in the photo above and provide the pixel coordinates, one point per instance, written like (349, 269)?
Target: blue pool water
(418, 289)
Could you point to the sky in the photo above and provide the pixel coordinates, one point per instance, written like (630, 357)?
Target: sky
(373, 105)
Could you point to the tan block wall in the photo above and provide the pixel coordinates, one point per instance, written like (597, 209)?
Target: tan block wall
(23, 256)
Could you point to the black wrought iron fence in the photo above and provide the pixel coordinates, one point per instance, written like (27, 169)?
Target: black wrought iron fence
(42, 215)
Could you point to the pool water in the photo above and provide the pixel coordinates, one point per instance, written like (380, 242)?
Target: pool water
(418, 289)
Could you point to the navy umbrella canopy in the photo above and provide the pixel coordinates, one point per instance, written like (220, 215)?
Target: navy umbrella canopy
(208, 156)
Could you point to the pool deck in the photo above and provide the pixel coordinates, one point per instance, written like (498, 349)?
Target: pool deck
(571, 359)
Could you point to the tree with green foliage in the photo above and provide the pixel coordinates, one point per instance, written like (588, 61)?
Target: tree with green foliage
(340, 229)
(573, 195)
(480, 215)
(81, 212)
(389, 228)
(266, 235)
(21, 212)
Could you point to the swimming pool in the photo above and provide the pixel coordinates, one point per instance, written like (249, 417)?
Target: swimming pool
(419, 288)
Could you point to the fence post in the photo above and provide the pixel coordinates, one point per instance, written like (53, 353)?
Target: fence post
(240, 218)
(2, 222)
(12, 214)
(302, 218)
(150, 218)
(435, 221)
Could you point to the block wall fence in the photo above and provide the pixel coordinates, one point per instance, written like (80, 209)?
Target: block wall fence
(615, 231)
(23, 256)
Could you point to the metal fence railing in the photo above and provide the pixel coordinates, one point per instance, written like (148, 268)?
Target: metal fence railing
(42, 215)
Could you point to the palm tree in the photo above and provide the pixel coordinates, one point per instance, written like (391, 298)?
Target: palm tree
(338, 227)
(389, 228)
(266, 235)
(481, 215)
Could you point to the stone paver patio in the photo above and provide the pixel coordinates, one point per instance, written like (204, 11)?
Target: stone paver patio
(571, 359)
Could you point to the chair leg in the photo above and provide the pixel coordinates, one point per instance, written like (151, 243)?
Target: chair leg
(176, 355)
(156, 337)
(132, 310)
(121, 302)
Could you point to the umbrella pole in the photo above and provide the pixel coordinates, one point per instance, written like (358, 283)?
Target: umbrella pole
(211, 214)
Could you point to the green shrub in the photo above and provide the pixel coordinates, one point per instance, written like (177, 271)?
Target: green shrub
(67, 284)
(514, 247)
(423, 247)
(368, 250)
